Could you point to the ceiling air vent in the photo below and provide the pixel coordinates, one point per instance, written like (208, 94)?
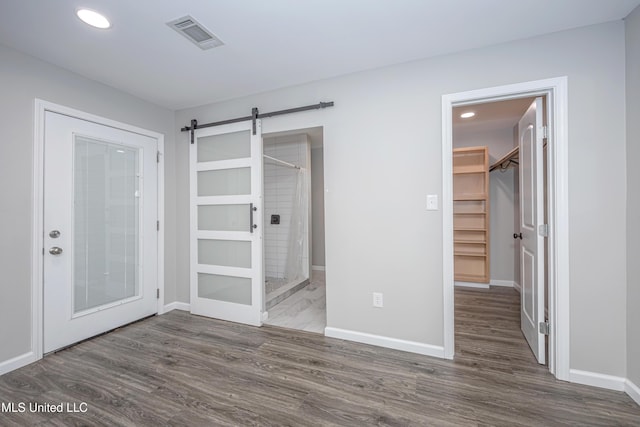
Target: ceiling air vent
(195, 32)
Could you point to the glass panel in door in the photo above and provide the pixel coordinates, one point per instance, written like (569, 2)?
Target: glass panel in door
(106, 222)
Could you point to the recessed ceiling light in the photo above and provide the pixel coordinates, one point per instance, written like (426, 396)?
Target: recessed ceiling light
(93, 18)
(467, 115)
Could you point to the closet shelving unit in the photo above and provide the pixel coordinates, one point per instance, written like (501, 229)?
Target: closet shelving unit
(471, 214)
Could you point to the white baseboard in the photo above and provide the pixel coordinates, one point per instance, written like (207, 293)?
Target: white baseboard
(317, 267)
(472, 285)
(17, 362)
(595, 379)
(183, 306)
(505, 283)
(517, 287)
(380, 341)
(632, 390)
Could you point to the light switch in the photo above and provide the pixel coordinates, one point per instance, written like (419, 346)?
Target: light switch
(432, 202)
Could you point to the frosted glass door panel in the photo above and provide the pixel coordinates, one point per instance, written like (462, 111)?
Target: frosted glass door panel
(235, 145)
(224, 182)
(229, 253)
(106, 217)
(223, 217)
(224, 288)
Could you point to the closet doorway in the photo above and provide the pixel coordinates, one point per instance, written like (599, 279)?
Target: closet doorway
(294, 283)
(550, 228)
(489, 219)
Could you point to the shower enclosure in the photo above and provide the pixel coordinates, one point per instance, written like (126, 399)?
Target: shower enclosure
(287, 216)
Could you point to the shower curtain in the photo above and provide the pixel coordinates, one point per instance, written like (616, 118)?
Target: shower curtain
(294, 270)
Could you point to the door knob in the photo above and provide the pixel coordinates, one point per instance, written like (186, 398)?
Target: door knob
(54, 234)
(517, 236)
(55, 250)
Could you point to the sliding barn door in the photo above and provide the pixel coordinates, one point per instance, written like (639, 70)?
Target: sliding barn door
(226, 223)
(530, 138)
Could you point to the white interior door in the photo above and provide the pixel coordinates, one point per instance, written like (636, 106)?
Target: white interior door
(530, 139)
(226, 223)
(100, 212)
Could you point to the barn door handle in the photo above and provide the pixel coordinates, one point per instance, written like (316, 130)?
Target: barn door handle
(252, 209)
(517, 236)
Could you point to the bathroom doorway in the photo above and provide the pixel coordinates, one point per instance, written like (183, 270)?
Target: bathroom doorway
(294, 279)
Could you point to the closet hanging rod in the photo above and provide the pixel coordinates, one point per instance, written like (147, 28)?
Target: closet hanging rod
(255, 114)
(507, 158)
(282, 162)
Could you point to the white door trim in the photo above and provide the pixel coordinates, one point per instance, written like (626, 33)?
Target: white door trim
(556, 90)
(37, 258)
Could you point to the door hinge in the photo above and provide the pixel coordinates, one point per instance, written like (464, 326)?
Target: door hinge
(157, 156)
(545, 132)
(543, 230)
(158, 293)
(158, 225)
(544, 328)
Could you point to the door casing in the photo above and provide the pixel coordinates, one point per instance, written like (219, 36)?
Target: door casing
(37, 282)
(556, 92)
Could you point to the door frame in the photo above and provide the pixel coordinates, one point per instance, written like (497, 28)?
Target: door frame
(557, 100)
(37, 259)
(309, 207)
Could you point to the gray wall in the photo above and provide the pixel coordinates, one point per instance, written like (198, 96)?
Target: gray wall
(22, 79)
(633, 196)
(501, 195)
(317, 201)
(382, 156)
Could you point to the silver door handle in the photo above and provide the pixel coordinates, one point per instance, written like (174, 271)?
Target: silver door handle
(55, 250)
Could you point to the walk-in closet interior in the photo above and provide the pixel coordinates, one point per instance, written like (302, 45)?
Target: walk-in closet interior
(487, 210)
(486, 193)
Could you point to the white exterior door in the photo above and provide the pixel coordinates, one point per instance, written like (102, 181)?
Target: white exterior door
(226, 223)
(100, 237)
(530, 139)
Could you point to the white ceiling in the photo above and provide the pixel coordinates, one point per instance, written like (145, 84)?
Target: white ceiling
(272, 43)
(495, 115)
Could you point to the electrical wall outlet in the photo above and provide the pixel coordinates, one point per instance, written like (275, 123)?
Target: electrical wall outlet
(377, 299)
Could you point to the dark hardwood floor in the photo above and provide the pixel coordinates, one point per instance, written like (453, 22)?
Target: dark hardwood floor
(179, 369)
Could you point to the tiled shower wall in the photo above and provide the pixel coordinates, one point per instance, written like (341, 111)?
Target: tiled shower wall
(279, 189)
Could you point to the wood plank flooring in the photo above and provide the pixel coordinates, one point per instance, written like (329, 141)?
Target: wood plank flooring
(178, 369)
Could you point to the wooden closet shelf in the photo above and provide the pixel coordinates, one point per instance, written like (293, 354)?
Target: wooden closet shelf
(471, 278)
(469, 213)
(462, 172)
(469, 254)
(470, 196)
